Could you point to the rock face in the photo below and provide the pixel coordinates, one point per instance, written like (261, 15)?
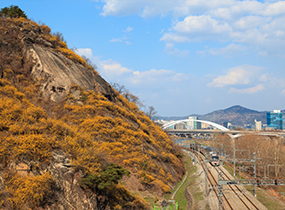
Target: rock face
(68, 191)
(59, 73)
(56, 71)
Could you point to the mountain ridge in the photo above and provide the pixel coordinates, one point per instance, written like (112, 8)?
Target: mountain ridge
(236, 115)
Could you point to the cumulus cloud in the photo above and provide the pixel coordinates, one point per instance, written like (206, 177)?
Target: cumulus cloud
(198, 28)
(248, 22)
(250, 90)
(171, 50)
(258, 25)
(113, 71)
(241, 75)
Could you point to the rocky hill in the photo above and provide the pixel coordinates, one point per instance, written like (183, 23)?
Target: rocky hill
(236, 115)
(68, 140)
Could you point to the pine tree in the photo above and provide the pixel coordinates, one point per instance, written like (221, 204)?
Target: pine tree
(12, 12)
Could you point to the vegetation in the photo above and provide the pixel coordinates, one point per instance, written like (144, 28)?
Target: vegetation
(104, 139)
(148, 110)
(12, 12)
(108, 177)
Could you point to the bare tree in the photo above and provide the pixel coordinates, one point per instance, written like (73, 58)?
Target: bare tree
(59, 36)
(89, 62)
(151, 113)
(120, 88)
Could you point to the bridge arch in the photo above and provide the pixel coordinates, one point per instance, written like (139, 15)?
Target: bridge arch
(220, 127)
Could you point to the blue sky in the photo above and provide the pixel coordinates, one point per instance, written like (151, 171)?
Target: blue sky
(182, 57)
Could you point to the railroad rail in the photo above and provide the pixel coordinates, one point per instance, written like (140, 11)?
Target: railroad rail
(246, 202)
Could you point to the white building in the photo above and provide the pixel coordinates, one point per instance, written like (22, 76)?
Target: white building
(257, 125)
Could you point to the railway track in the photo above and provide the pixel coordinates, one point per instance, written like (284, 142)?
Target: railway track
(241, 195)
(240, 201)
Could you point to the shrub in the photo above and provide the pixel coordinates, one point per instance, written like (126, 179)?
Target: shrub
(28, 191)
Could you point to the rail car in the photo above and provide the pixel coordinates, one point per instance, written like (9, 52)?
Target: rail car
(214, 158)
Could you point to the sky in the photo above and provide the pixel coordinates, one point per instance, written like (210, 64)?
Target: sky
(180, 56)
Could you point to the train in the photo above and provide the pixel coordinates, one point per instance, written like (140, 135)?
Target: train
(215, 160)
(210, 151)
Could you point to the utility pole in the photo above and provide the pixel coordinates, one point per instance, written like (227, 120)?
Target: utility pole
(254, 158)
(220, 191)
(234, 161)
(206, 175)
(222, 153)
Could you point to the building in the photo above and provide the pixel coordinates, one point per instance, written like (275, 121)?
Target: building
(192, 124)
(180, 126)
(257, 125)
(199, 125)
(276, 120)
(226, 124)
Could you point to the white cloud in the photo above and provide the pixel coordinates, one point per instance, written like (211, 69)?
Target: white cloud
(128, 29)
(116, 40)
(198, 28)
(241, 75)
(113, 71)
(250, 90)
(171, 50)
(283, 92)
(274, 9)
(249, 22)
(202, 23)
(226, 51)
(150, 8)
(86, 52)
(171, 37)
(154, 76)
(257, 25)
(121, 40)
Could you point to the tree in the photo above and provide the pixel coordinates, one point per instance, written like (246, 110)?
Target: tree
(110, 176)
(127, 94)
(151, 112)
(89, 62)
(59, 36)
(12, 12)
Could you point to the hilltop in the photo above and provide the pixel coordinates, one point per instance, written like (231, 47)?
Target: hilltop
(68, 140)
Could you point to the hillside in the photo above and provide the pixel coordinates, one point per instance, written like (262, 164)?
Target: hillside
(236, 115)
(68, 140)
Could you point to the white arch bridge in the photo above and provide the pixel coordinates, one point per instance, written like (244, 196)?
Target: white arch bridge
(232, 133)
(172, 123)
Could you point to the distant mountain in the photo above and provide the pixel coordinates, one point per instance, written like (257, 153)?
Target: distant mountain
(236, 115)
